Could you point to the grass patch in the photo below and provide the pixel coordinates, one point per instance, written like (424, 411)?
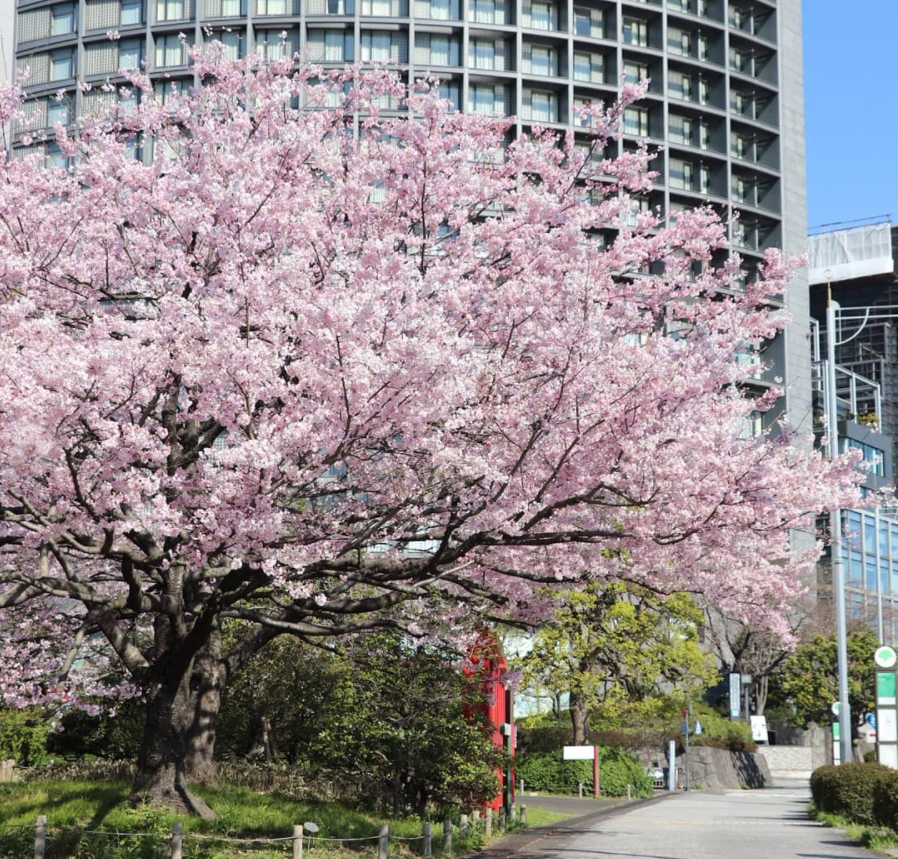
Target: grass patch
(866, 836)
(91, 820)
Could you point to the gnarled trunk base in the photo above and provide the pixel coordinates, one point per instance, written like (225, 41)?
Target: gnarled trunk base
(168, 787)
(162, 765)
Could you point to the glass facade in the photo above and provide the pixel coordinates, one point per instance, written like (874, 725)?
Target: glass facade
(870, 558)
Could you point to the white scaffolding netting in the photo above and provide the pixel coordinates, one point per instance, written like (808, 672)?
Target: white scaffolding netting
(849, 254)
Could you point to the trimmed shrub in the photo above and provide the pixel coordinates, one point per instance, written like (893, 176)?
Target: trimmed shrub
(851, 791)
(719, 732)
(619, 768)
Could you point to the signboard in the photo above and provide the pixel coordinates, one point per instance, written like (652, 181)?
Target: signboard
(887, 726)
(885, 688)
(886, 719)
(735, 696)
(759, 729)
(579, 753)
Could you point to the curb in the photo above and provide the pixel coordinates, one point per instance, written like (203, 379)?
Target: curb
(511, 844)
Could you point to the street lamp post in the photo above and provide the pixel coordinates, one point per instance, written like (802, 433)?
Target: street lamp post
(838, 568)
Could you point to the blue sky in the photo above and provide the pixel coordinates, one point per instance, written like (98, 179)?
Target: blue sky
(851, 98)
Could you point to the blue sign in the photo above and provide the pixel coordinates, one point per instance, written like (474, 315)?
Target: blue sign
(871, 720)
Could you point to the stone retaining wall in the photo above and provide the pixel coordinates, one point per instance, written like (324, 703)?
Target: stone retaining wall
(718, 769)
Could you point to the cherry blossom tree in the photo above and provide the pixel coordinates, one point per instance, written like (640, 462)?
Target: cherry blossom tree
(313, 370)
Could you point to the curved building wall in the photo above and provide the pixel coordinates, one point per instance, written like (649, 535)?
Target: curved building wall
(714, 67)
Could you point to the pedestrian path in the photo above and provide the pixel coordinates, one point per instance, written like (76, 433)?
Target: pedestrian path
(757, 824)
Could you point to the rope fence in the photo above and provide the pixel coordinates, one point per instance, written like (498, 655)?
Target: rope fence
(302, 838)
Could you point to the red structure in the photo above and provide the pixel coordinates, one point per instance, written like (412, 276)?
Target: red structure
(487, 662)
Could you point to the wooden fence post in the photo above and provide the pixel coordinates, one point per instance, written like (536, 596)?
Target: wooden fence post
(489, 823)
(428, 842)
(297, 841)
(40, 837)
(502, 820)
(383, 841)
(177, 841)
(463, 824)
(447, 837)
(523, 815)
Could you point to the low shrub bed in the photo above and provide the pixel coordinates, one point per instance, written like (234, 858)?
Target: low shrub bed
(618, 769)
(866, 794)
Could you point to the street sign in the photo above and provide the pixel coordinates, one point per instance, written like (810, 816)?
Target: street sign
(735, 697)
(885, 657)
(579, 753)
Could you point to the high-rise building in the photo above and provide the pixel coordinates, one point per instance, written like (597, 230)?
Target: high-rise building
(855, 264)
(725, 96)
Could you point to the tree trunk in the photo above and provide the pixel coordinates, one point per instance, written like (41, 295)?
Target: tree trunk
(161, 767)
(200, 714)
(579, 707)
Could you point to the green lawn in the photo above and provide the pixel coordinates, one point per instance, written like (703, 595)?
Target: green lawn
(91, 820)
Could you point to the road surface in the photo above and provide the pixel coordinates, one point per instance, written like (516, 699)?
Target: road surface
(756, 824)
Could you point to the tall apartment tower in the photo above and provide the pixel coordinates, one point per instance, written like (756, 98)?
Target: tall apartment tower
(725, 99)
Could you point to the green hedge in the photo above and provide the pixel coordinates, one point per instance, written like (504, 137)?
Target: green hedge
(863, 793)
(23, 737)
(619, 768)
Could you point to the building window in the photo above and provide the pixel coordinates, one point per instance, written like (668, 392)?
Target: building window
(62, 20)
(130, 54)
(377, 7)
(233, 44)
(132, 12)
(636, 32)
(636, 121)
(588, 22)
(539, 60)
(680, 129)
(171, 10)
(635, 73)
(484, 54)
(487, 11)
(741, 61)
(167, 90)
(679, 85)
(59, 112)
(540, 106)
(375, 47)
(329, 46)
(62, 65)
(588, 67)
(170, 51)
(541, 16)
(487, 99)
(740, 145)
(274, 45)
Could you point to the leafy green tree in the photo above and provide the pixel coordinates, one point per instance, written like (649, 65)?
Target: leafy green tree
(401, 721)
(622, 652)
(809, 679)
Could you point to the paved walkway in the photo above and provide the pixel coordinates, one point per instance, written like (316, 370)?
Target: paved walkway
(757, 824)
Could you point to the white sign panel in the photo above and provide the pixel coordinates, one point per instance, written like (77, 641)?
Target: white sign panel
(888, 756)
(886, 726)
(759, 729)
(579, 753)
